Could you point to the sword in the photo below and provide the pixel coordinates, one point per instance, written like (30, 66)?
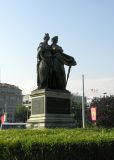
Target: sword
(68, 74)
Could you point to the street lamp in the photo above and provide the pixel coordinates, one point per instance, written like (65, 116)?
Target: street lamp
(27, 111)
(5, 113)
(105, 93)
(83, 106)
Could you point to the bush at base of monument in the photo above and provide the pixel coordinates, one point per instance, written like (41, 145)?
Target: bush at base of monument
(57, 144)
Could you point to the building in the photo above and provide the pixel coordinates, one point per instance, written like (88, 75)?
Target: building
(78, 99)
(10, 97)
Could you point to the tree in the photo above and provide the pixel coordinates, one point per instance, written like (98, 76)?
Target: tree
(77, 110)
(105, 111)
(21, 114)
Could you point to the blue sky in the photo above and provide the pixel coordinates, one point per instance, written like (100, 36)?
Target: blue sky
(85, 29)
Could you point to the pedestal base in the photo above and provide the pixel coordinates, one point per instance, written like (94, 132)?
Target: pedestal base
(51, 109)
(51, 121)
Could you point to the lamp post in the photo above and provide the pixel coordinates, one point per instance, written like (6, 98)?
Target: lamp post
(83, 107)
(27, 111)
(5, 113)
(105, 94)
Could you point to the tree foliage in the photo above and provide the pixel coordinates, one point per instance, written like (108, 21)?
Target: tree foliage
(77, 111)
(21, 113)
(105, 111)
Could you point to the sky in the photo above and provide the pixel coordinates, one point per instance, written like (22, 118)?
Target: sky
(85, 29)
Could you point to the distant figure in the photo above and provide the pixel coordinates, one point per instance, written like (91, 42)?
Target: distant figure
(50, 65)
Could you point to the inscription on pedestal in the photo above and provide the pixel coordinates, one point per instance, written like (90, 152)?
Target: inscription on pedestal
(57, 105)
(38, 105)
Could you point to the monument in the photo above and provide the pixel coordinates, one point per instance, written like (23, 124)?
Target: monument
(51, 102)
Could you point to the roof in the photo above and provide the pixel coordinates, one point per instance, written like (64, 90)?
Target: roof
(5, 85)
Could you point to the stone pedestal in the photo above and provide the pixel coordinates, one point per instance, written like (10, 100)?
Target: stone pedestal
(50, 109)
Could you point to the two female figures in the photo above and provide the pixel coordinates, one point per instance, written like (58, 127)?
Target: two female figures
(50, 65)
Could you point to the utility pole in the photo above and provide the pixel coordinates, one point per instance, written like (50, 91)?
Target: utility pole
(83, 107)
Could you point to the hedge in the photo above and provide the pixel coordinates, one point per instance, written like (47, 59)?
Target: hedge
(57, 144)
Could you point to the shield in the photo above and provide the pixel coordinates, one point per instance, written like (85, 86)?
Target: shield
(69, 60)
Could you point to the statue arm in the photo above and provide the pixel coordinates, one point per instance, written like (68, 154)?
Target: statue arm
(40, 51)
(40, 47)
(60, 57)
(43, 53)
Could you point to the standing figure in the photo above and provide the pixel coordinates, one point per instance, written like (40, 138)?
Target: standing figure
(44, 62)
(50, 65)
(58, 77)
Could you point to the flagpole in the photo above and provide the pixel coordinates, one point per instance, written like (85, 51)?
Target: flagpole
(83, 108)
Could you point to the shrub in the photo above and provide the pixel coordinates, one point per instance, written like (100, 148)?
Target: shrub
(57, 144)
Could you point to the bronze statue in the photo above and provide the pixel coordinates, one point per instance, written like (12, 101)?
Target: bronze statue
(50, 65)
(58, 77)
(43, 63)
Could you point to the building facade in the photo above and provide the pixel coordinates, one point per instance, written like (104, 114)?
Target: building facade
(78, 99)
(10, 97)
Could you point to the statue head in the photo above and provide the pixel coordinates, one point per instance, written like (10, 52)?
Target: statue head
(54, 39)
(46, 36)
